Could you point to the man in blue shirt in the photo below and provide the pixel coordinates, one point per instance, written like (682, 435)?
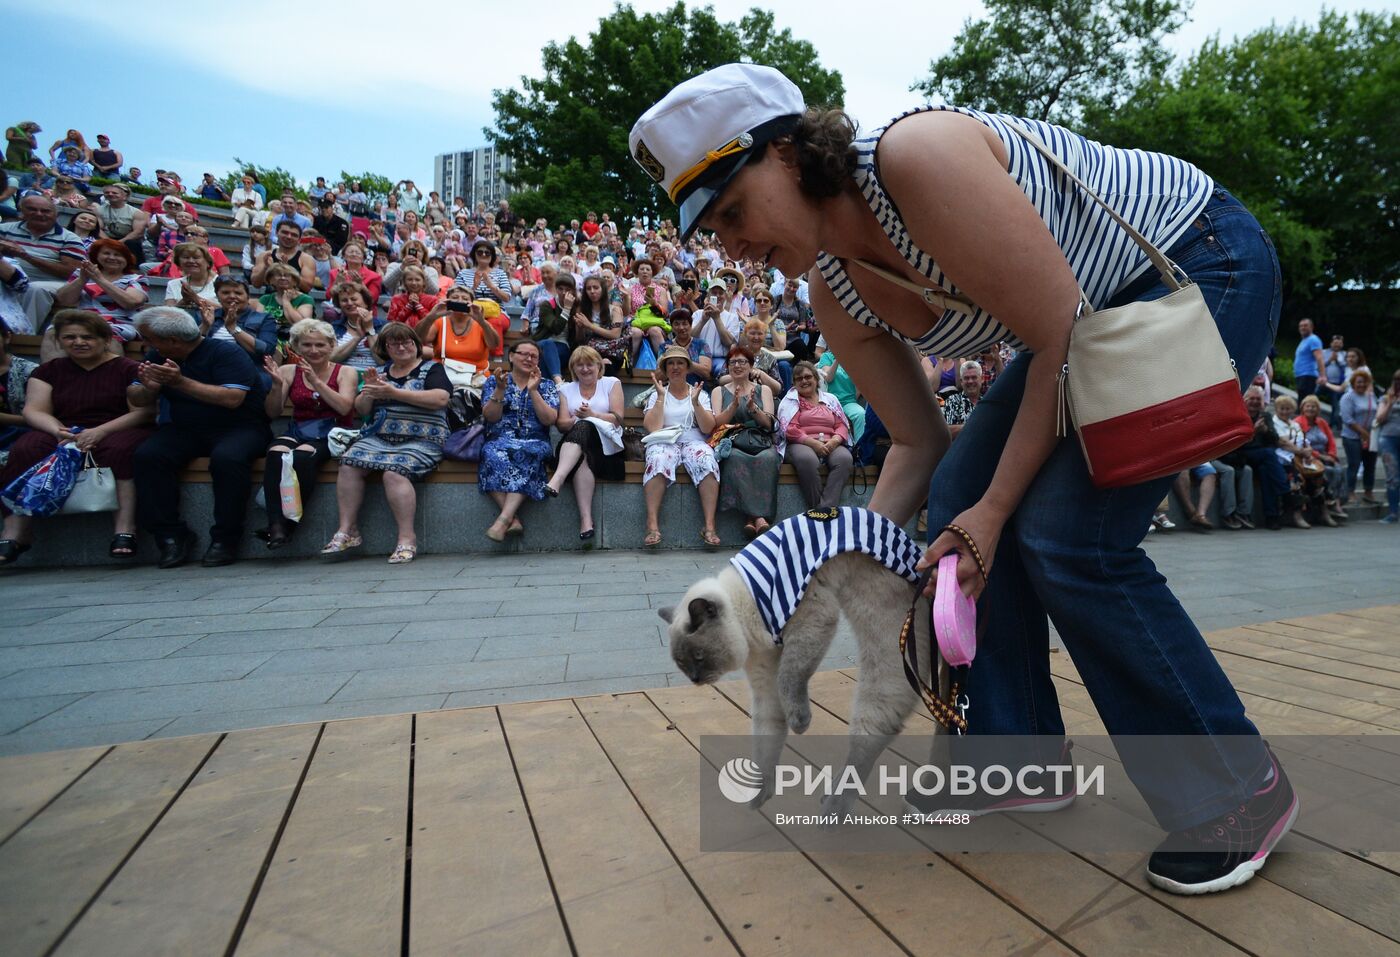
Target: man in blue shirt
(212, 188)
(211, 398)
(38, 177)
(289, 213)
(1307, 361)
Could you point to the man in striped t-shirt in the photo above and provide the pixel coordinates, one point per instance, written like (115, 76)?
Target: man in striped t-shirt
(49, 252)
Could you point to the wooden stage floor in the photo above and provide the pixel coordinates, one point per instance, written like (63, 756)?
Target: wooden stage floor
(571, 827)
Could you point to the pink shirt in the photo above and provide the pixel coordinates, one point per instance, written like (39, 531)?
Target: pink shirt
(814, 418)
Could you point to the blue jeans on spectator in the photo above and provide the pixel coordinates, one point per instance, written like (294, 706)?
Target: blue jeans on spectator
(1390, 454)
(554, 356)
(1273, 480)
(1071, 550)
(784, 370)
(1359, 457)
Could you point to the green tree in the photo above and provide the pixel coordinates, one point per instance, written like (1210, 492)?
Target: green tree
(567, 130)
(1051, 59)
(376, 187)
(1300, 123)
(274, 179)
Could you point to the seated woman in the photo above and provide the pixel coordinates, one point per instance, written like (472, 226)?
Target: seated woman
(286, 304)
(519, 405)
(14, 384)
(413, 253)
(416, 300)
(590, 421)
(355, 270)
(1317, 434)
(551, 332)
(839, 384)
(764, 364)
(815, 431)
(253, 248)
(483, 276)
(649, 303)
(322, 396)
(599, 325)
(86, 226)
(686, 408)
(237, 321)
(457, 328)
(1297, 458)
(356, 327)
(407, 400)
(81, 398)
(196, 280)
(109, 284)
(322, 260)
(749, 474)
(774, 336)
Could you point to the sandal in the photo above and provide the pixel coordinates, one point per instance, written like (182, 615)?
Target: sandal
(341, 543)
(11, 550)
(760, 526)
(123, 545)
(652, 540)
(515, 527)
(403, 554)
(710, 539)
(494, 535)
(750, 532)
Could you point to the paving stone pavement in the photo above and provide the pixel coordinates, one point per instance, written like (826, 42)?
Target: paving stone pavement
(97, 656)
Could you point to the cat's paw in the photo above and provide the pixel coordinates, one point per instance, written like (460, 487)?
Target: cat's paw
(799, 717)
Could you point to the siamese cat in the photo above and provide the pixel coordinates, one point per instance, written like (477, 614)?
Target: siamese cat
(718, 628)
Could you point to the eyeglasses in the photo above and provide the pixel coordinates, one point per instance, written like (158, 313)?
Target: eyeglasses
(401, 343)
(739, 362)
(762, 299)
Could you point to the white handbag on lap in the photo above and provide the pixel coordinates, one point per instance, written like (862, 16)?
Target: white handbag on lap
(95, 490)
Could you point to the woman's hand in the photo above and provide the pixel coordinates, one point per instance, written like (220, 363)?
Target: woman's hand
(584, 411)
(533, 383)
(984, 523)
(87, 439)
(271, 367)
(658, 381)
(695, 393)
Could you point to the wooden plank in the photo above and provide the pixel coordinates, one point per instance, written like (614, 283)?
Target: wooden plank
(479, 884)
(1385, 614)
(29, 781)
(773, 903)
(895, 889)
(1310, 655)
(51, 869)
(336, 882)
(1091, 909)
(621, 890)
(1382, 646)
(185, 888)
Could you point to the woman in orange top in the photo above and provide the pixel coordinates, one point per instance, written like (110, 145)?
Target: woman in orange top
(457, 329)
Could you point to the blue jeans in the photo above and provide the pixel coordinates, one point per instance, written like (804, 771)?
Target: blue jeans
(554, 356)
(1072, 551)
(1390, 455)
(1359, 458)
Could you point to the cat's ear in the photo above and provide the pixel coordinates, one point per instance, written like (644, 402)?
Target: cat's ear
(667, 613)
(701, 610)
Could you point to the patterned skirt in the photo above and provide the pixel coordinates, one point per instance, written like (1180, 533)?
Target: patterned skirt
(413, 458)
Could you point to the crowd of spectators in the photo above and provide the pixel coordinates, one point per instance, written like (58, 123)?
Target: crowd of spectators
(374, 329)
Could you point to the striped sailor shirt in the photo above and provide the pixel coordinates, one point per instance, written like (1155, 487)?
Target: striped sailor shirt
(777, 566)
(1159, 194)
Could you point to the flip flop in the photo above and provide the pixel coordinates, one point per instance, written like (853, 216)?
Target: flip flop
(710, 539)
(652, 540)
(403, 554)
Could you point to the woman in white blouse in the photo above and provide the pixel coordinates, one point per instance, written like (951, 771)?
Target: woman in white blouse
(590, 421)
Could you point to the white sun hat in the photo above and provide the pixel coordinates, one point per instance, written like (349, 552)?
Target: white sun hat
(700, 134)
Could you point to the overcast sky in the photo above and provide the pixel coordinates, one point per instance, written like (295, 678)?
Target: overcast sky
(188, 86)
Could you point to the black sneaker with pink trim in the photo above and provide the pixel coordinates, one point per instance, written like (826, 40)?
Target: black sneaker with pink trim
(1046, 791)
(1229, 850)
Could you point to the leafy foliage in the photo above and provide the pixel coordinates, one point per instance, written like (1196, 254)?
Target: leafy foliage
(274, 179)
(1300, 123)
(1052, 59)
(567, 130)
(376, 187)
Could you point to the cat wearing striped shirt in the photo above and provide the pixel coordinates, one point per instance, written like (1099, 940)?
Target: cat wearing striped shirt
(722, 626)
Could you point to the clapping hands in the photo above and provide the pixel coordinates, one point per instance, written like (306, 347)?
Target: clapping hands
(375, 387)
(155, 376)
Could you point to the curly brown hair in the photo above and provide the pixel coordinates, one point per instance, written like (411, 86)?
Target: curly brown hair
(823, 141)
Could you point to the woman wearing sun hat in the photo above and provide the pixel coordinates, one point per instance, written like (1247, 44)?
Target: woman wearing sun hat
(959, 199)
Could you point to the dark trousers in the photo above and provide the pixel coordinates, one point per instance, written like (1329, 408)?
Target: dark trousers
(1273, 480)
(157, 466)
(1307, 385)
(306, 463)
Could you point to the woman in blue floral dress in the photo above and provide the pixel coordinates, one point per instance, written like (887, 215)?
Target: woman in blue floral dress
(519, 406)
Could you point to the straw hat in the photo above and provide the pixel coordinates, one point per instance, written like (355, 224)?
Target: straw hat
(728, 271)
(674, 352)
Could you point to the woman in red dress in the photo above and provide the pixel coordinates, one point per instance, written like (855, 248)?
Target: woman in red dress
(80, 397)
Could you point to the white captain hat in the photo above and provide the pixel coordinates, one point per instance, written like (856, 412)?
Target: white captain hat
(699, 135)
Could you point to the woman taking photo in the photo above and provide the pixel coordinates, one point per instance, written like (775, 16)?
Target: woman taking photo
(457, 328)
(322, 396)
(81, 398)
(107, 283)
(683, 411)
(519, 405)
(598, 324)
(551, 333)
(748, 475)
(416, 301)
(413, 254)
(590, 421)
(960, 200)
(406, 400)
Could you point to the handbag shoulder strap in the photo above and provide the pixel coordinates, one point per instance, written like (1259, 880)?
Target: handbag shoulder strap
(937, 296)
(1168, 270)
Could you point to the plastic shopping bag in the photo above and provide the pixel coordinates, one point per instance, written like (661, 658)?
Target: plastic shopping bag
(46, 485)
(290, 489)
